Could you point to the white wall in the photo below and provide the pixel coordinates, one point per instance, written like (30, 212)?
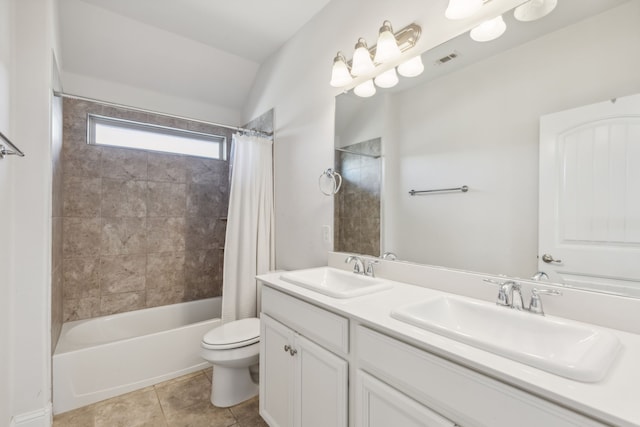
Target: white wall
(479, 127)
(295, 81)
(6, 186)
(114, 58)
(32, 40)
(104, 90)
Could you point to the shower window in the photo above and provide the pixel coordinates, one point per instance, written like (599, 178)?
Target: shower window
(114, 132)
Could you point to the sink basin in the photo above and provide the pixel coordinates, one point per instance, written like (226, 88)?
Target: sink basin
(335, 283)
(570, 349)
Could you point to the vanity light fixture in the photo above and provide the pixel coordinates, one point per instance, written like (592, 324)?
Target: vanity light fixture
(340, 75)
(461, 9)
(489, 30)
(387, 79)
(411, 68)
(365, 90)
(389, 48)
(362, 63)
(534, 9)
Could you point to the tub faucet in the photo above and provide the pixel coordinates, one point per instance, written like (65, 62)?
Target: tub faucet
(358, 266)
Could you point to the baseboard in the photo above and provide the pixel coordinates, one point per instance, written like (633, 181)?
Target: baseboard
(38, 418)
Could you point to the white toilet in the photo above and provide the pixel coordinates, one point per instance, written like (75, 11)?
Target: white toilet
(233, 349)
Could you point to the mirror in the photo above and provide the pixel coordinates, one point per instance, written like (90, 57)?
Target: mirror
(472, 118)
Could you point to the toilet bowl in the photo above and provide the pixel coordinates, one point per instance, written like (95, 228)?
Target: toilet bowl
(232, 349)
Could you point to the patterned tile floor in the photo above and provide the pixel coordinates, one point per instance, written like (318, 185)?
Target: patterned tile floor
(180, 402)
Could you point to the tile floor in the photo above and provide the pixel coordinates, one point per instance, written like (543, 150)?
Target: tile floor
(181, 402)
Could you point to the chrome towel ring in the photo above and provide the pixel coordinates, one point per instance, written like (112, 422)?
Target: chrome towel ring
(329, 182)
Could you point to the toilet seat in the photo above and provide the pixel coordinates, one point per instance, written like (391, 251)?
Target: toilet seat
(236, 334)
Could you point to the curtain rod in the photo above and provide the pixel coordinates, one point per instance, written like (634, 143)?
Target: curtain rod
(173, 116)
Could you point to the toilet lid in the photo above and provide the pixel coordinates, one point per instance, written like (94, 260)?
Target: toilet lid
(238, 333)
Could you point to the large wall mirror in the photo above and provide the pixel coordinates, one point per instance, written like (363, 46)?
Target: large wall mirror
(474, 120)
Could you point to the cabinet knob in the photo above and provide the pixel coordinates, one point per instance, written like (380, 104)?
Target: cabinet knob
(287, 347)
(293, 352)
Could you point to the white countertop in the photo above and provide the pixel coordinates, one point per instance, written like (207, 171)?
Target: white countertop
(614, 400)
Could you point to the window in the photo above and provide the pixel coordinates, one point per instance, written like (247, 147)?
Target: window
(143, 136)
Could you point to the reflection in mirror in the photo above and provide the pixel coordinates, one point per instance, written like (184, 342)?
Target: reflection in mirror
(473, 119)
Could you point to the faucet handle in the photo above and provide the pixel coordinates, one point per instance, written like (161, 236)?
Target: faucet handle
(370, 265)
(535, 306)
(503, 293)
(358, 266)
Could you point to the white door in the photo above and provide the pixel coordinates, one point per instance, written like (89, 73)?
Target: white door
(276, 373)
(589, 225)
(321, 386)
(378, 405)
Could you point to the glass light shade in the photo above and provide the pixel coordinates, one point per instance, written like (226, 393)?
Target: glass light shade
(412, 67)
(362, 63)
(489, 30)
(387, 48)
(365, 90)
(340, 75)
(534, 9)
(461, 9)
(387, 79)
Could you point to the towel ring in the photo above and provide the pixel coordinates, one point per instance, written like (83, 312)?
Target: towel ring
(335, 181)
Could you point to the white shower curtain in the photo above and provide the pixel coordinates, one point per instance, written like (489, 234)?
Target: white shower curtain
(249, 245)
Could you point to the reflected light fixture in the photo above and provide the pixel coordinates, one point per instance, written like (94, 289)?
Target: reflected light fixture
(340, 75)
(387, 48)
(461, 9)
(534, 9)
(362, 63)
(387, 79)
(411, 68)
(489, 30)
(365, 90)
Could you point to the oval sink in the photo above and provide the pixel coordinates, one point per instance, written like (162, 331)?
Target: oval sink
(335, 283)
(570, 349)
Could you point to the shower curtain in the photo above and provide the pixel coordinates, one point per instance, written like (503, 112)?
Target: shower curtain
(249, 245)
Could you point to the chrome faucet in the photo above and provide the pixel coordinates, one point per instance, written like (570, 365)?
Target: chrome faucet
(540, 275)
(509, 295)
(358, 266)
(370, 265)
(389, 256)
(535, 306)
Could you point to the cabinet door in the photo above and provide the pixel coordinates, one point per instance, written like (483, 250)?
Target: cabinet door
(378, 405)
(276, 373)
(320, 386)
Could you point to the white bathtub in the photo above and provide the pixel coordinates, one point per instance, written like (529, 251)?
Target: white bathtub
(99, 358)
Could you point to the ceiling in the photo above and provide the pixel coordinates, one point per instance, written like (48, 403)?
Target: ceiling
(203, 51)
(251, 29)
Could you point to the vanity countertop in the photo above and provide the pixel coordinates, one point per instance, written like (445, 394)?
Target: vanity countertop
(614, 400)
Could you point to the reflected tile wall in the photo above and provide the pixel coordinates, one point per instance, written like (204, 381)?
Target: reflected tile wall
(137, 229)
(357, 204)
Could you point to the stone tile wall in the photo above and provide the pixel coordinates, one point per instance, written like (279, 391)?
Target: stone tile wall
(357, 204)
(140, 229)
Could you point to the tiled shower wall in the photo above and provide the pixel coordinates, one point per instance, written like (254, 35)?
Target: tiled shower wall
(140, 229)
(357, 203)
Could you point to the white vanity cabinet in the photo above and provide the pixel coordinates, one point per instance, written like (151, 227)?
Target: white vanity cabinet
(379, 405)
(302, 383)
(468, 398)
